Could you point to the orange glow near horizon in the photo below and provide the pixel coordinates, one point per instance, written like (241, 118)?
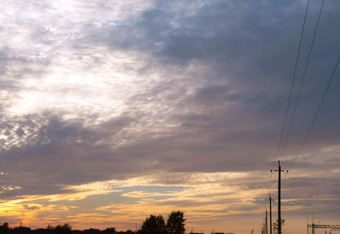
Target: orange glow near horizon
(123, 204)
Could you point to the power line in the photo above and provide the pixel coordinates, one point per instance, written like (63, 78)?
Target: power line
(293, 81)
(317, 112)
(303, 78)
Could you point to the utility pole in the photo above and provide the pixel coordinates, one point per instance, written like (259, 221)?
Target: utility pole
(266, 222)
(279, 199)
(307, 225)
(270, 213)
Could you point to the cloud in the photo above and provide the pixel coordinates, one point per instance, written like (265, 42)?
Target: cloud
(31, 207)
(189, 94)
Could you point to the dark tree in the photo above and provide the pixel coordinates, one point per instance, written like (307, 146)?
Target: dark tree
(43, 230)
(65, 229)
(130, 232)
(175, 224)
(153, 225)
(21, 230)
(276, 225)
(92, 231)
(4, 228)
(110, 230)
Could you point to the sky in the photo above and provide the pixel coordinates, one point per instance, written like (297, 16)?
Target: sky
(112, 110)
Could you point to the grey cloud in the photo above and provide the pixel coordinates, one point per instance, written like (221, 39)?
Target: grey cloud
(225, 34)
(215, 29)
(11, 219)
(251, 47)
(31, 207)
(213, 95)
(230, 122)
(196, 203)
(222, 33)
(59, 153)
(260, 36)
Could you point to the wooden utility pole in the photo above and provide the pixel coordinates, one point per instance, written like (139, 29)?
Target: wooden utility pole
(270, 214)
(279, 199)
(266, 222)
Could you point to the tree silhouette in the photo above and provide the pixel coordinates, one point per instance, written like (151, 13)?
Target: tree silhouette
(110, 230)
(276, 225)
(21, 230)
(65, 229)
(175, 223)
(4, 228)
(153, 225)
(130, 232)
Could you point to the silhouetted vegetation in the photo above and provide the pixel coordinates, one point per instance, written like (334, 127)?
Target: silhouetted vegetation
(152, 225)
(276, 225)
(65, 229)
(4, 228)
(156, 225)
(175, 224)
(110, 230)
(59, 229)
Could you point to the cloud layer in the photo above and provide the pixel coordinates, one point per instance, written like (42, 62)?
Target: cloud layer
(164, 105)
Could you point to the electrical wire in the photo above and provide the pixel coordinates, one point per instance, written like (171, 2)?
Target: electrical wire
(317, 113)
(303, 79)
(292, 84)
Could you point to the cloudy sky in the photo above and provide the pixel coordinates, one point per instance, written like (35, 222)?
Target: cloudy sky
(114, 110)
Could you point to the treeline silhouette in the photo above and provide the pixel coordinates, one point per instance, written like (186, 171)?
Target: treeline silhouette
(152, 225)
(59, 229)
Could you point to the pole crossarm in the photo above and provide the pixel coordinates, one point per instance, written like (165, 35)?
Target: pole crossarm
(279, 220)
(332, 227)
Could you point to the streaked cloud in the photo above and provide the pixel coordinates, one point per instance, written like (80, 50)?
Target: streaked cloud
(115, 110)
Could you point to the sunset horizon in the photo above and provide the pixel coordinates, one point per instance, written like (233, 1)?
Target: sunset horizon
(112, 111)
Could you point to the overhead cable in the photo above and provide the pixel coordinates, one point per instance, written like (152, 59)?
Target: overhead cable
(317, 112)
(293, 81)
(303, 79)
